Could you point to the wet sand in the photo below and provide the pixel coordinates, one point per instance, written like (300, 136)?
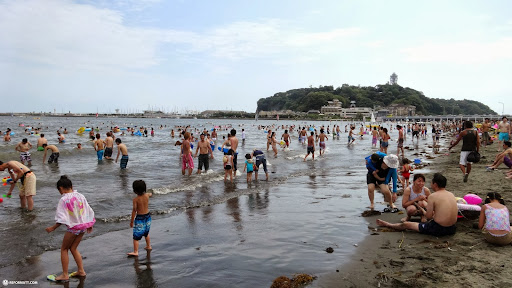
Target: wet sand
(408, 259)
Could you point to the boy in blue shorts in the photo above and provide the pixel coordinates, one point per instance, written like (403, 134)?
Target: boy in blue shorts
(141, 219)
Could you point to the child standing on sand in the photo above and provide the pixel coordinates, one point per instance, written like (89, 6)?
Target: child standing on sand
(74, 212)
(249, 165)
(141, 219)
(406, 172)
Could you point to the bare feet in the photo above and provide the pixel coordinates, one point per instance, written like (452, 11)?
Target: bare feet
(149, 248)
(77, 274)
(372, 206)
(132, 254)
(62, 278)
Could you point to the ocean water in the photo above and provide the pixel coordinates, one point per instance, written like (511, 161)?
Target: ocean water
(258, 231)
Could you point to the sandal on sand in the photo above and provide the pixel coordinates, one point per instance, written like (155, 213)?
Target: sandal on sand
(394, 210)
(387, 210)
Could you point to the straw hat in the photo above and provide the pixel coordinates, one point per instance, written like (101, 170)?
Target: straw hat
(391, 160)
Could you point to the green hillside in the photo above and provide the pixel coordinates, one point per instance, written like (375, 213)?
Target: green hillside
(305, 99)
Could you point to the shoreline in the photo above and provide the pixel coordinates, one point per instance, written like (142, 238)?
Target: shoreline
(409, 259)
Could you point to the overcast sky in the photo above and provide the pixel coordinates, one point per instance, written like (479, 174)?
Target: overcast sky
(88, 56)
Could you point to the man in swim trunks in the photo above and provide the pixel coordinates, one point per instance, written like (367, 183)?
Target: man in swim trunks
(214, 135)
(98, 146)
(351, 138)
(441, 207)
(286, 139)
(109, 146)
(186, 159)
(7, 136)
(311, 146)
(504, 132)
(322, 137)
(416, 132)
(40, 143)
(27, 178)
(204, 149)
(62, 139)
(122, 150)
(375, 136)
(486, 126)
(23, 147)
(54, 157)
(400, 144)
(234, 145)
(470, 142)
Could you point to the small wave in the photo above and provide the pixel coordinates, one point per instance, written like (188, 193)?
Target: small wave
(173, 189)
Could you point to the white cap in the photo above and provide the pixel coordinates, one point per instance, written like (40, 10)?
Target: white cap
(391, 160)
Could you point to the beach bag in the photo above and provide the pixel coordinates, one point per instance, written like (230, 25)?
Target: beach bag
(473, 157)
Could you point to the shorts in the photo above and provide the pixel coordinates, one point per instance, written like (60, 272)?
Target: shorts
(108, 152)
(141, 226)
(370, 179)
(203, 161)
(54, 158)
(25, 156)
(432, 228)
(261, 160)
(76, 232)
(503, 136)
(124, 162)
(350, 138)
(322, 145)
(374, 141)
(310, 149)
(415, 133)
(507, 162)
(227, 167)
(287, 143)
(28, 188)
(400, 143)
(100, 155)
(40, 148)
(384, 144)
(485, 136)
(464, 157)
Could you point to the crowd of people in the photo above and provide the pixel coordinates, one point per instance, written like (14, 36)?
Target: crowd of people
(437, 209)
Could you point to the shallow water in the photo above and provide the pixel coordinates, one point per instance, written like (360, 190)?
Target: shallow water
(218, 234)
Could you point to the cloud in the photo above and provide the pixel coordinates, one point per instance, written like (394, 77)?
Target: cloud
(77, 36)
(461, 52)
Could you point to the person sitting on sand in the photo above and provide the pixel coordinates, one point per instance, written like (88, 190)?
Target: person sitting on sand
(495, 220)
(503, 157)
(415, 196)
(442, 208)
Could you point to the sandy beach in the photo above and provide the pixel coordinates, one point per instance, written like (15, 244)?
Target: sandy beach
(408, 259)
(243, 235)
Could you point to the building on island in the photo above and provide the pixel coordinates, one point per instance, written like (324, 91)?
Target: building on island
(393, 79)
(401, 110)
(332, 108)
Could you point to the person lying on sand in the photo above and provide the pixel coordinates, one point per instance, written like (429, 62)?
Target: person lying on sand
(441, 208)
